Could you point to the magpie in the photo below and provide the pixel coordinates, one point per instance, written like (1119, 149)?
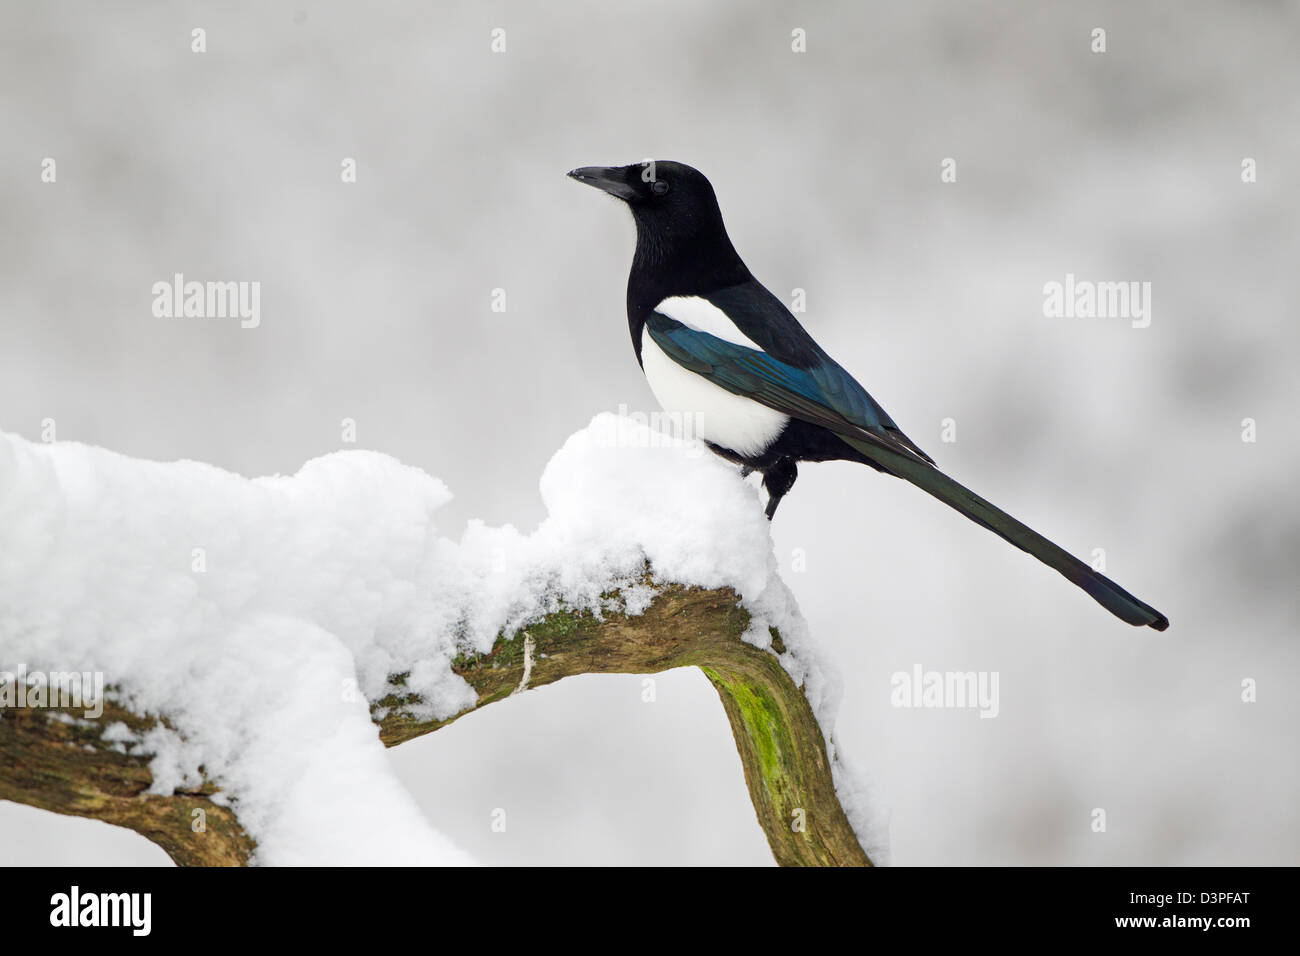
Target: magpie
(717, 346)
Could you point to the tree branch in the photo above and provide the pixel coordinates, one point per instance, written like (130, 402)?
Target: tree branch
(66, 767)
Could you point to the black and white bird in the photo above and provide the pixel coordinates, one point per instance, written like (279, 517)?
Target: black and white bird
(717, 346)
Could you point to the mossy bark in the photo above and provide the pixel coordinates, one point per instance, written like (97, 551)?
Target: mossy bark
(67, 768)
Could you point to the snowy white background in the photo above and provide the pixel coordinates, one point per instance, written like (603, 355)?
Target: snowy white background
(375, 302)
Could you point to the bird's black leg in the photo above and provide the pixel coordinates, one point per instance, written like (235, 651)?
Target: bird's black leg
(778, 480)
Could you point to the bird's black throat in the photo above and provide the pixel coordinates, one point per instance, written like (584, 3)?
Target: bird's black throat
(664, 266)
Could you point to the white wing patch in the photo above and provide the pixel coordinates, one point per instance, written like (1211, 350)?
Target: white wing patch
(703, 316)
(709, 411)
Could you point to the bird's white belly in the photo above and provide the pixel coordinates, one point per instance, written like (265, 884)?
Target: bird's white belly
(709, 411)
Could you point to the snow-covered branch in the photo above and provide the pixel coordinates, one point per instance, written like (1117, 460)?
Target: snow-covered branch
(258, 641)
(57, 762)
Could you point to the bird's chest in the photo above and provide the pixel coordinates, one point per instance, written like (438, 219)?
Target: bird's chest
(708, 411)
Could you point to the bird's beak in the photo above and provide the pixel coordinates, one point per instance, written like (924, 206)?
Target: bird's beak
(610, 179)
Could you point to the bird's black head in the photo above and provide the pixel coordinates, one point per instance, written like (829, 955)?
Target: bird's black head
(675, 210)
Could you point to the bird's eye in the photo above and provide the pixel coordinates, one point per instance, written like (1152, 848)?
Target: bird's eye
(659, 187)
